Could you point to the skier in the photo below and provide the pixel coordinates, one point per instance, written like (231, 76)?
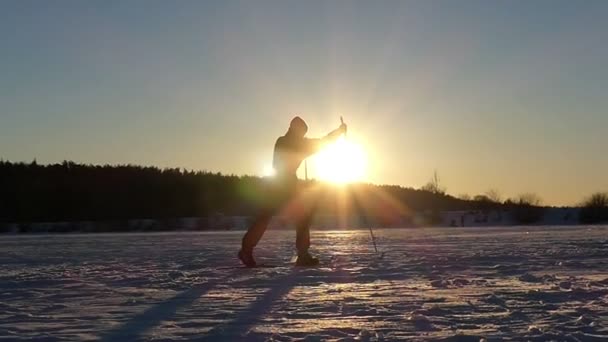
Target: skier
(289, 152)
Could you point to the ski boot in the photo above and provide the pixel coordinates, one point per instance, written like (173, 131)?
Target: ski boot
(306, 259)
(246, 257)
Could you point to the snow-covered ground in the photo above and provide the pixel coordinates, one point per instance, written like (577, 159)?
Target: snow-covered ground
(438, 284)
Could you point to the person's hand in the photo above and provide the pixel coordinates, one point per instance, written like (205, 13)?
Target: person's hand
(343, 128)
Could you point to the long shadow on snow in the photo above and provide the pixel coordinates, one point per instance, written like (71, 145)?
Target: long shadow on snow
(238, 328)
(150, 318)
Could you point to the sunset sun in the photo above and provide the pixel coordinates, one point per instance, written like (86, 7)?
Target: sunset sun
(341, 162)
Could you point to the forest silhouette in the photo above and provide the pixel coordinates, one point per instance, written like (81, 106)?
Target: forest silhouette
(68, 191)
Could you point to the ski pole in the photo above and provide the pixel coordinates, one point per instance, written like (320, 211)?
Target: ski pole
(371, 232)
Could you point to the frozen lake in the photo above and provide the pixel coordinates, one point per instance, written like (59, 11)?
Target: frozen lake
(438, 284)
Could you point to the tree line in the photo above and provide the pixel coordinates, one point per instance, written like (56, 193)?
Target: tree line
(68, 191)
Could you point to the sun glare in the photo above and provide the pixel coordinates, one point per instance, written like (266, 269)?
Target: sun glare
(268, 171)
(341, 162)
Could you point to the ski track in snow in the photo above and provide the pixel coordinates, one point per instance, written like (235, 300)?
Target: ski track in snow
(441, 284)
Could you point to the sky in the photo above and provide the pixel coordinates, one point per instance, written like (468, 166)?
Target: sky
(505, 95)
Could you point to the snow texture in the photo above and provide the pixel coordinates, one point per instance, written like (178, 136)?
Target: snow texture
(475, 284)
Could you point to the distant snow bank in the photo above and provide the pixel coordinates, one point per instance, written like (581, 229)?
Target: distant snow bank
(219, 222)
(550, 216)
(505, 217)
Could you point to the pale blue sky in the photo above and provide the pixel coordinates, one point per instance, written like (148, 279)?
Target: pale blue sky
(511, 95)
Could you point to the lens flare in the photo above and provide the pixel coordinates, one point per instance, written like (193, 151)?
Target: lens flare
(342, 162)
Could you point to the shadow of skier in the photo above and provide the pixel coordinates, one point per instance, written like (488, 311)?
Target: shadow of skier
(141, 323)
(238, 328)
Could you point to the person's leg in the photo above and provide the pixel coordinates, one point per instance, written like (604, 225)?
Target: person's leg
(271, 203)
(253, 236)
(257, 229)
(303, 232)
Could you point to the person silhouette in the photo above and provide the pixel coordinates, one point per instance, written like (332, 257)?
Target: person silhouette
(289, 152)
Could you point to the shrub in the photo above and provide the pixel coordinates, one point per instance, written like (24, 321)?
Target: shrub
(527, 209)
(595, 208)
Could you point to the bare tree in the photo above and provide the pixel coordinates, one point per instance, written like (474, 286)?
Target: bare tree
(481, 198)
(434, 185)
(598, 199)
(493, 195)
(527, 208)
(464, 197)
(595, 208)
(529, 199)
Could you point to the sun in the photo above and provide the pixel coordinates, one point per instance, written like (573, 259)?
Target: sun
(343, 161)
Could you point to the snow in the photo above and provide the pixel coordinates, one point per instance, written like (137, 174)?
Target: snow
(442, 284)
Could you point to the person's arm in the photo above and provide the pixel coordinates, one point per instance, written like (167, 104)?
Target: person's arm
(313, 146)
(334, 135)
